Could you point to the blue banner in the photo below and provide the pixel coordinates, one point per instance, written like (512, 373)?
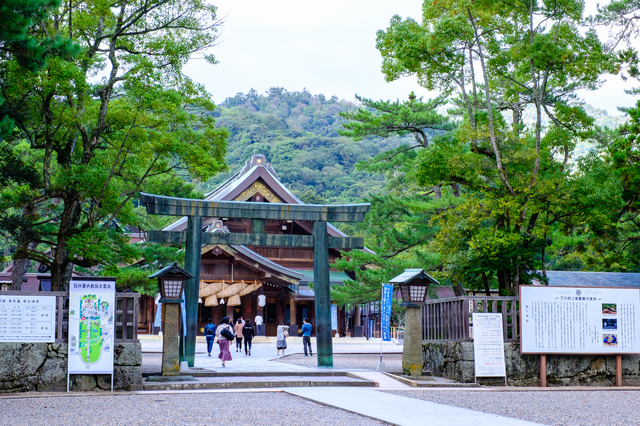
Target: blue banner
(385, 311)
(184, 316)
(334, 317)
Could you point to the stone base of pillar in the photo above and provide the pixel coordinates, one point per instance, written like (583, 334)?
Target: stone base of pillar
(171, 340)
(412, 346)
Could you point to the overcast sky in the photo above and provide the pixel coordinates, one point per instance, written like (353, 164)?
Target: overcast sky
(326, 47)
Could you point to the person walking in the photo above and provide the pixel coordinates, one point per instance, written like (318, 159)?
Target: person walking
(223, 339)
(281, 337)
(210, 334)
(306, 336)
(237, 329)
(248, 332)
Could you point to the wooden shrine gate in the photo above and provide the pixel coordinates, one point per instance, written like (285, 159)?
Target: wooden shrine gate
(320, 241)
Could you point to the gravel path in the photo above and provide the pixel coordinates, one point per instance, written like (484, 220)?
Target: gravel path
(566, 408)
(359, 361)
(175, 409)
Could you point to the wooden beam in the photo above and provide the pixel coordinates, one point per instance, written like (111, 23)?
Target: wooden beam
(273, 240)
(172, 206)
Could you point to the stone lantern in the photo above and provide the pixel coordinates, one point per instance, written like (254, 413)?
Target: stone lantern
(171, 282)
(414, 284)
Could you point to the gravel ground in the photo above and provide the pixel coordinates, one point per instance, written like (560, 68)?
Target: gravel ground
(360, 361)
(175, 409)
(151, 362)
(566, 408)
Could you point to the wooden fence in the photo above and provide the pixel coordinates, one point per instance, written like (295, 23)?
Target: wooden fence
(450, 319)
(126, 326)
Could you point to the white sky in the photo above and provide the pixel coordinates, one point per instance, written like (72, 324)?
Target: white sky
(326, 47)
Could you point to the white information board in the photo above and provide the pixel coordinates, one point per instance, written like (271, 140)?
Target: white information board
(579, 320)
(28, 319)
(91, 326)
(488, 345)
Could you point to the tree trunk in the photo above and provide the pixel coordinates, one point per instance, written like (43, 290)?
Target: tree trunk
(456, 189)
(458, 290)
(437, 192)
(485, 281)
(18, 273)
(502, 282)
(61, 267)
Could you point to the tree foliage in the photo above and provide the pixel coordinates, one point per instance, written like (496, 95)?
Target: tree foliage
(99, 125)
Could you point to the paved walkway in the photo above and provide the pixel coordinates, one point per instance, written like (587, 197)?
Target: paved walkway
(374, 403)
(400, 410)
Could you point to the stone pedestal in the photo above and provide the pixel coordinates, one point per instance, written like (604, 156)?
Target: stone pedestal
(171, 340)
(412, 347)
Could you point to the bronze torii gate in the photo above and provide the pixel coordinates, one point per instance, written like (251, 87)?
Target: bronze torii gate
(193, 238)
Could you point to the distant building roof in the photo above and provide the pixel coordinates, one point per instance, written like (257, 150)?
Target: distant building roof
(593, 279)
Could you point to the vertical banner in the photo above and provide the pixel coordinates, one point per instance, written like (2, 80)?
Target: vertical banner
(488, 346)
(183, 311)
(91, 325)
(334, 317)
(385, 311)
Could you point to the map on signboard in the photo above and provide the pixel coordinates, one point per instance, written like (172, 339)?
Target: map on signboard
(94, 317)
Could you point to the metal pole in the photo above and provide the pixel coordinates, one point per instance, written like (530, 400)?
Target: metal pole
(192, 264)
(322, 293)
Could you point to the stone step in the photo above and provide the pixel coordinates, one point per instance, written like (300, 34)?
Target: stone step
(195, 372)
(249, 382)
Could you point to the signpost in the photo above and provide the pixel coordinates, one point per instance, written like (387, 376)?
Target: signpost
(488, 346)
(91, 326)
(579, 320)
(29, 319)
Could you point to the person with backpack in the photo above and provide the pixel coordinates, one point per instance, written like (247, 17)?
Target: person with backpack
(210, 334)
(224, 333)
(248, 332)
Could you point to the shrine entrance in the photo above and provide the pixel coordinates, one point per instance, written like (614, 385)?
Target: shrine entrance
(320, 241)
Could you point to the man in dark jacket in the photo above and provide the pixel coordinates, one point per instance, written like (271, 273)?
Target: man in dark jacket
(210, 333)
(248, 332)
(306, 336)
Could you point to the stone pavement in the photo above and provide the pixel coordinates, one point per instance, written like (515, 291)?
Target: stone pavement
(371, 402)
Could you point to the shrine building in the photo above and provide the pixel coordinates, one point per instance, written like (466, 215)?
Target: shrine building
(232, 277)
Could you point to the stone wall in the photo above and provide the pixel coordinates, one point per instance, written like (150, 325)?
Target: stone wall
(454, 360)
(42, 367)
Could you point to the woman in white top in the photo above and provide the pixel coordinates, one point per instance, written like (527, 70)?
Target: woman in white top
(281, 337)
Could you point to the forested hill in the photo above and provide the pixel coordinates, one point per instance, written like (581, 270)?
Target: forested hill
(297, 131)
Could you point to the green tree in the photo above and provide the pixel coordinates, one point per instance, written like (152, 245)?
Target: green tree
(498, 58)
(99, 126)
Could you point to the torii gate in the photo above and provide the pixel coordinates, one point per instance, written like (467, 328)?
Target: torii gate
(193, 238)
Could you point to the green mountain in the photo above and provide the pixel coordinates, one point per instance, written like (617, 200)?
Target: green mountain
(297, 131)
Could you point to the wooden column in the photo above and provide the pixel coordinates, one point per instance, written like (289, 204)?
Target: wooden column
(543, 371)
(618, 370)
(281, 313)
(323, 294)
(192, 264)
(356, 316)
(293, 312)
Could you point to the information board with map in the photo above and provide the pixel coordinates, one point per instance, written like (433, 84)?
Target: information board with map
(579, 320)
(91, 326)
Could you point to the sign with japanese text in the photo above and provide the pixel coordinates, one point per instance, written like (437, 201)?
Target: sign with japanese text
(28, 319)
(488, 345)
(579, 320)
(91, 326)
(385, 310)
